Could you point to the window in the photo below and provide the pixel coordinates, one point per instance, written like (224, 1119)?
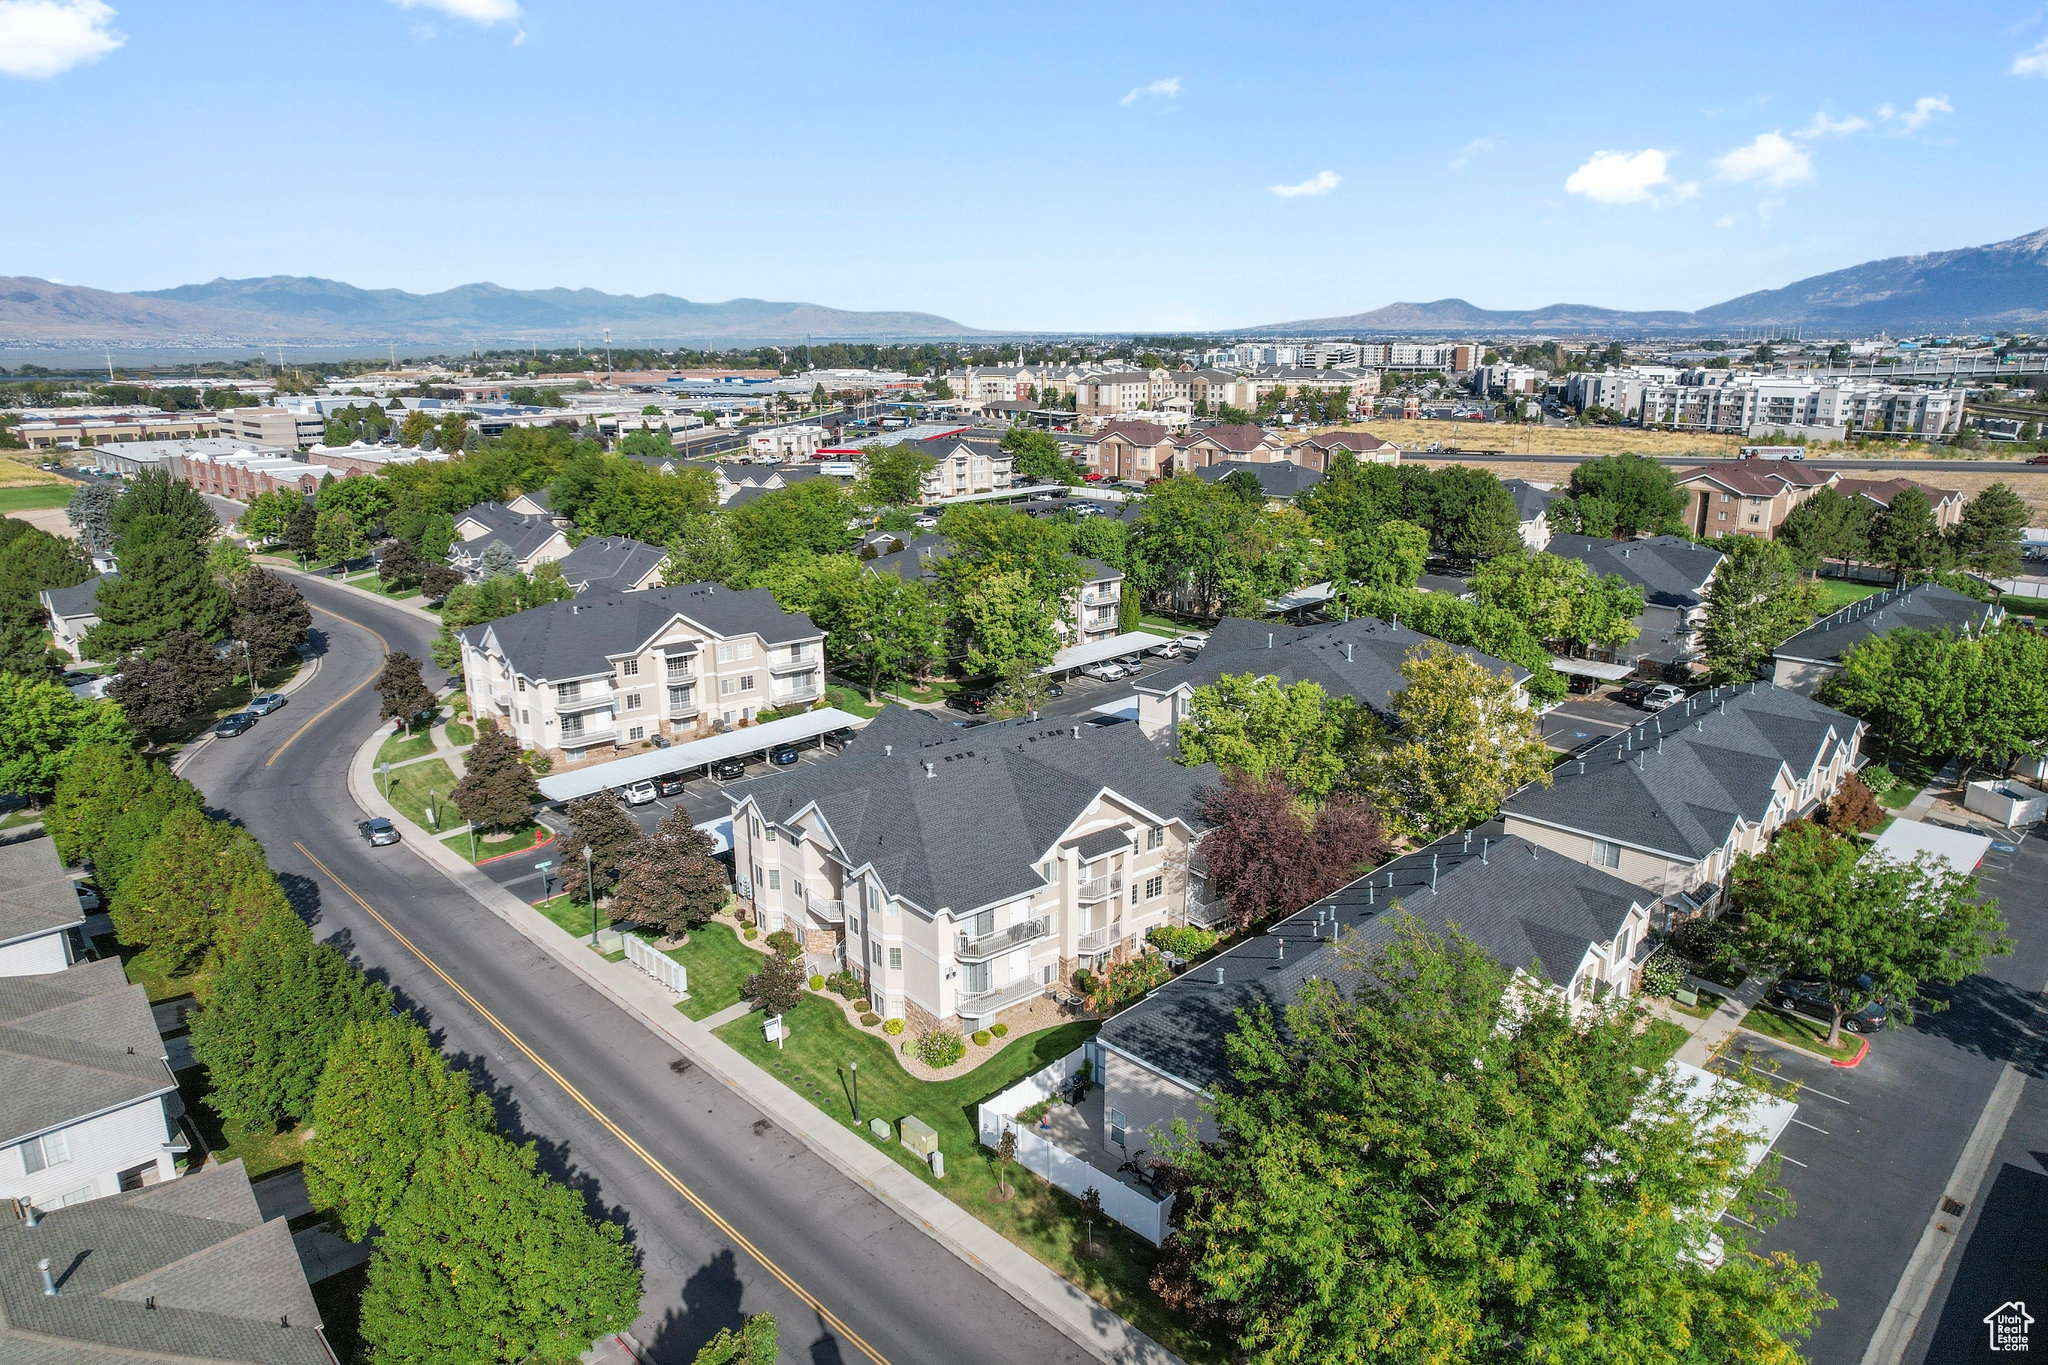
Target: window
(725, 687)
(725, 654)
(895, 959)
(771, 833)
(678, 666)
(522, 684)
(570, 691)
(679, 698)
(632, 701)
(1155, 837)
(637, 732)
(77, 1196)
(1606, 854)
(1116, 1126)
(984, 923)
(774, 879)
(525, 716)
(1154, 887)
(975, 976)
(51, 1149)
(746, 682)
(875, 953)
(630, 668)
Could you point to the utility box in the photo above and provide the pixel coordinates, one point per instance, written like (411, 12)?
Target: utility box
(919, 1136)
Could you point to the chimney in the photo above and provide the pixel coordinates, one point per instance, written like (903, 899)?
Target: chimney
(49, 1284)
(30, 1215)
(931, 770)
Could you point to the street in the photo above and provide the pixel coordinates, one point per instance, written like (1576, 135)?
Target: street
(729, 1214)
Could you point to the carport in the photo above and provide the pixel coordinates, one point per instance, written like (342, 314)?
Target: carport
(1592, 668)
(1115, 647)
(696, 753)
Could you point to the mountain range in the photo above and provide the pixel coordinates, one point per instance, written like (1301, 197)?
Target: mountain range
(2004, 284)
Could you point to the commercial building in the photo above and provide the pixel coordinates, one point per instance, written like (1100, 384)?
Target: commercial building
(242, 473)
(273, 427)
(963, 873)
(1673, 574)
(580, 678)
(51, 433)
(1751, 498)
(1814, 655)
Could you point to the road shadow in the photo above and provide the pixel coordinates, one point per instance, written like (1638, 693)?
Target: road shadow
(2006, 1259)
(711, 1303)
(1989, 1018)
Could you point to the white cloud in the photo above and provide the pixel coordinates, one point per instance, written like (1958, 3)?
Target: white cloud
(1478, 146)
(1168, 88)
(1726, 220)
(1770, 160)
(1825, 126)
(519, 38)
(485, 12)
(44, 38)
(2032, 62)
(1322, 182)
(1621, 177)
(1924, 109)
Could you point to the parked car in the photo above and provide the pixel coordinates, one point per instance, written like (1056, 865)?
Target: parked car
(840, 738)
(230, 726)
(1583, 686)
(1633, 694)
(637, 793)
(1108, 671)
(1663, 695)
(1810, 998)
(727, 769)
(784, 756)
(973, 703)
(1053, 689)
(1168, 650)
(378, 831)
(267, 703)
(1131, 662)
(669, 784)
(1192, 642)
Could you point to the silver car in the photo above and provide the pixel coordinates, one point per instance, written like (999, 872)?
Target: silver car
(267, 703)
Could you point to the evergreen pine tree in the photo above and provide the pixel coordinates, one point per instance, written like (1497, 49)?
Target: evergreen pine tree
(164, 585)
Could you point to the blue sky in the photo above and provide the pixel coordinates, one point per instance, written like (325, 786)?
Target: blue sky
(1086, 167)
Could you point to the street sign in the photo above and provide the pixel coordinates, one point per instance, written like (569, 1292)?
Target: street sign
(771, 1029)
(543, 865)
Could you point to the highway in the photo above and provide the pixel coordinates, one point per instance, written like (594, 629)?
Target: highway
(730, 1215)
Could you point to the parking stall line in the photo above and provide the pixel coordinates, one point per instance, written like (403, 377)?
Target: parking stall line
(1804, 1124)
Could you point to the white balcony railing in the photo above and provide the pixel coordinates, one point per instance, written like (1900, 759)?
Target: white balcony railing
(987, 945)
(1098, 888)
(986, 1003)
(831, 912)
(1095, 940)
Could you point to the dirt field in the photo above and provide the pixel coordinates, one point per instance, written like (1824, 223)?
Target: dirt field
(1514, 437)
(16, 473)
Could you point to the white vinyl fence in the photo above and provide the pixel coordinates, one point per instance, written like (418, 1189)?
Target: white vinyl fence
(1135, 1209)
(658, 965)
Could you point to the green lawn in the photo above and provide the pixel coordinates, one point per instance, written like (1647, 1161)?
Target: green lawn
(1913, 774)
(718, 962)
(27, 815)
(409, 788)
(1800, 1032)
(459, 733)
(523, 838)
(1043, 1220)
(1837, 593)
(1708, 1002)
(852, 699)
(1659, 1041)
(22, 497)
(261, 1153)
(369, 582)
(573, 914)
(402, 746)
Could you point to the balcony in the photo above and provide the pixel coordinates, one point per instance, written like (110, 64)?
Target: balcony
(683, 710)
(1095, 597)
(780, 662)
(1101, 888)
(1208, 914)
(988, 945)
(987, 1003)
(828, 912)
(1095, 940)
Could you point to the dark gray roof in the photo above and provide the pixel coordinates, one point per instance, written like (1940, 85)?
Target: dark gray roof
(1103, 841)
(80, 600)
(73, 1043)
(1677, 781)
(1527, 907)
(37, 896)
(997, 797)
(1280, 478)
(1920, 606)
(576, 639)
(914, 560)
(1671, 570)
(1316, 653)
(519, 532)
(740, 497)
(1531, 502)
(610, 563)
(185, 1270)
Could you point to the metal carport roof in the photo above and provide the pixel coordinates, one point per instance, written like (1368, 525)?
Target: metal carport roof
(1080, 656)
(694, 753)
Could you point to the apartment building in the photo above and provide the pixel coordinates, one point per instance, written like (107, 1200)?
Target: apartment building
(1508, 380)
(967, 463)
(1673, 574)
(1364, 447)
(1561, 926)
(1670, 803)
(532, 539)
(1752, 498)
(1947, 503)
(1814, 655)
(274, 426)
(1212, 445)
(580, 678)
(1532, 510)
(1113, 394)
(41, 916)
(963, 873)
(1092, 611)
(613, 564)
(1719, 400)
(1133, 452)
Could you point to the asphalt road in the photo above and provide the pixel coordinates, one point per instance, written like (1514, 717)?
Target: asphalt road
(847, 1279)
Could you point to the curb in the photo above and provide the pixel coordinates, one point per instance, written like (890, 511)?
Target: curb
(530, 848)
(292, 684)
(1091, 1325)
(1861, 1052)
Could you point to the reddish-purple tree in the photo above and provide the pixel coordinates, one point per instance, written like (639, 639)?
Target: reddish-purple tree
(1272, 853)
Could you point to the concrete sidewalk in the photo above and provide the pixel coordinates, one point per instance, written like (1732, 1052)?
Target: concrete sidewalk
(1092, 1326)
(1709, 1033)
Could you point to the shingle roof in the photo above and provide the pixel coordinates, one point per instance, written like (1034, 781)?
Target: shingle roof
(1671, 570)
(1527, 907)
(576, 639)
(1138, 433)
(1921, 606)
(913, 561)
(1239, 438)
(1357, 442)
(610, 563)
(185, 1270)
(519, 532)
(37, 896)
(971, 831)
(1531, 502)
(1677, 781)
(74, 1043)
(1359, 658)
(1279, 478)
(1882, 491)
(80, 600)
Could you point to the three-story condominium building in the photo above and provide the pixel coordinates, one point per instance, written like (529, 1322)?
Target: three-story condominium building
(963, 873)
(1674, 575)
(612, 668)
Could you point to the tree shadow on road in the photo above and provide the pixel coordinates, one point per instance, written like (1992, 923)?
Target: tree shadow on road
(711, 1303)
(1990, 1018)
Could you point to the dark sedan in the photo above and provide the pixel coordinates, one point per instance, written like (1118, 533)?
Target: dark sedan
(1810, 998)
(230, 726)
(1633, 694)
(669, 784)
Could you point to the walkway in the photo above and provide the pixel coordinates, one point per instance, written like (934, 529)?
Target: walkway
(1089, 1324)
(1710, 1033)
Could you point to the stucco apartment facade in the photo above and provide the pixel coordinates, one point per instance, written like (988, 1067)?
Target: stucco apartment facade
(1947, 503)
(1751, 498)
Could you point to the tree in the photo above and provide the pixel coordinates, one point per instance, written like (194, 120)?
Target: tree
(1182, 549)
(228, 561)
(778, 987)
(1036, 455)
(156, 504)
(1421, 1163)
(1091, 1209)
(1256, 725)
(25, 650)
(90, 510)
(497, 561)
(1853, 809)
(1826, 526)
(402, 567)
(198, 887)
(155, 692)
(271, 617)
(884, 627)
(453, 433)
(1937, 694)
(109, 802)
(497, 790)
(486, 1259)
(1006, 1152)
(812, 517)
(302, 530)
(704, 550)
(164, 585)
(279, 1004)
(893, 475)
(1389, 555)
(1269, 853)
(338, 536)
(671, 880)
(362, 496)
(1472, 514)
(1622, 496)
(1863, 925)
(1904, 536)
(1008, 620)
(600, 824)
(42, 724)
(753, 1344)
(437, 580)
(403, 690)
(35, 560)
(1757, 601)
(1987, 539)
(1243, 485)
(1559, 598)
(615, 496)
(1460, 738)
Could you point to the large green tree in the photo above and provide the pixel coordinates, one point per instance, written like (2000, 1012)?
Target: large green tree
(600, 824)
(1818, 906)
(42, 725)
(1987, 539)
(91, 512)
(1256, 725)
(1938, 694)
(35, 560)
(403, 690)
(812, 517)
(109, 802)
(164, 585)
(1904, 537)
(1757, 601)
(885, 628)
(1621, 496)
(1560, 599)
(271, 617)
(1421, 1163)
(1472, 514)
(196, 889)
(497, 790)
(610, 495)
(1827, 526)
(156, 504)
(1036, 455)
(704, 550)
(893, 475)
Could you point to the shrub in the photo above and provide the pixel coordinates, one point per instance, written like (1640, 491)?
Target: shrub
(1708, 945)
(845, 983)
(784, 942)
(981, 1037)
(1854, 809)
(817, 983)
(1662, 974)
(870, 1020)
(1000, 1030)
(1084, 981)
(892, 1027)
(1182, 940)
(1878, 778)
(752, 933)
(862, 1005)
(539, 762)
(941, 1047)
(1126, 982)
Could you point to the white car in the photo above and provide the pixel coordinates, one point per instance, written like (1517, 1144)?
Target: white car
(1104, 672)
(638, 794)
(1192, 643)
(1663, 695)
(1169, 649)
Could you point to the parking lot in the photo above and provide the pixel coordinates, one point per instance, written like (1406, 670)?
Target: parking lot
(1578, 721)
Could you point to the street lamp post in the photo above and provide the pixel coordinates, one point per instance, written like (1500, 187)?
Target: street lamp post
(249, 663)
(855, 1067)
(433, 810)
(384, 771)
(590, 889)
